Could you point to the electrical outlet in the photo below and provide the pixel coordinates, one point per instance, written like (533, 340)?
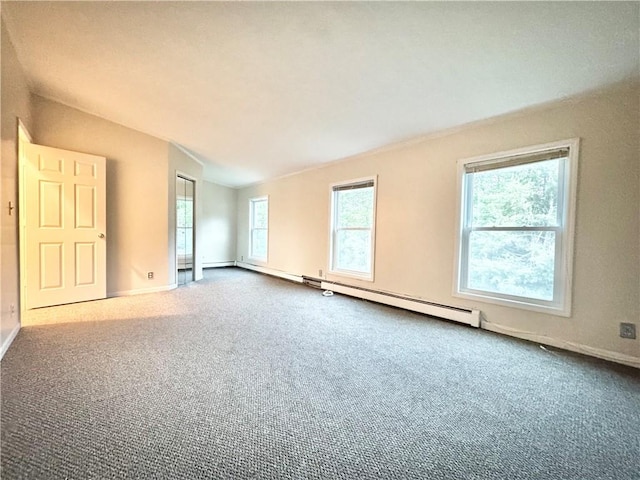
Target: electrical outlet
(628, 330)
(150, 275)
(320, 273)
(12, 309)
(242, 258)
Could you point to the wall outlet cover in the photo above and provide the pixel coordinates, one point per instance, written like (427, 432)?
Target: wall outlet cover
(628, 330)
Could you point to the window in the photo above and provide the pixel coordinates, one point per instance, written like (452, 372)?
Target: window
(352, 228)
(259, 225)
(516, 227)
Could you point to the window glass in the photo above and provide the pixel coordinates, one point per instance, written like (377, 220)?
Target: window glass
(260, 214)
(259, 228)
(355, 208)
(512, 263)
(516, 196)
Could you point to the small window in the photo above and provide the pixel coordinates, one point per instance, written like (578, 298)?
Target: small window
(516, 227)
(259, 226)
(353, 228)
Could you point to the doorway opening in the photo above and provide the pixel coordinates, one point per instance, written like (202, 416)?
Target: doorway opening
(185, 193)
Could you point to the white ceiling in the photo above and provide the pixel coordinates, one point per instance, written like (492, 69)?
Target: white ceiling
(259, 90)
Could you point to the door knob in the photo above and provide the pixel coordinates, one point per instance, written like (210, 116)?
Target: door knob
(101, 235)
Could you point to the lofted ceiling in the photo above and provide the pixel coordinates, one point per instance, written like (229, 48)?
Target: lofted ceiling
(258, 90)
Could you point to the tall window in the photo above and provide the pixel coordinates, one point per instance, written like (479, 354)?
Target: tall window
(259, 225)
(353, 227)
(516, 235)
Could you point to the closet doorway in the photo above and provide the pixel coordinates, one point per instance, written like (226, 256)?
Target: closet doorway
(185, 220)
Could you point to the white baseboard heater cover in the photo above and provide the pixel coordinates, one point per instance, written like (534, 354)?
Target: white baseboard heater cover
(270, 271)
(458, 314)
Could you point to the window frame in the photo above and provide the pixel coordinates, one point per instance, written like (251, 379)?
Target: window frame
(252, 202)
(564, 231)
(332, 269)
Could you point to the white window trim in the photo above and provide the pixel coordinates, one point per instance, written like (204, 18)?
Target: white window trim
(350, 273)
(250, 255)
(564, 273)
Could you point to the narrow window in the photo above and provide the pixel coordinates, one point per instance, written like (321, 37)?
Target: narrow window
(353, 228)
(259, 228)
(516, 227)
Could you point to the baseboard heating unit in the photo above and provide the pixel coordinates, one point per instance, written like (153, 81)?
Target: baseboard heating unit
(458, 314)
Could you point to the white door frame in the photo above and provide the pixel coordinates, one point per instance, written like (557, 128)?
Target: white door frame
(24, 136)
(186, 176)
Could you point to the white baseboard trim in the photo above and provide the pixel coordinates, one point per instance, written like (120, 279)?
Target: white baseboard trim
(472, 317)
(218, 264)
(563, 344)
(270, 271)
(467, 316)
(9, 340)
(139, 291)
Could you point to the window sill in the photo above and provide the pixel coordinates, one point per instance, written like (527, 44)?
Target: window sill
(519, 304)
(367, 277)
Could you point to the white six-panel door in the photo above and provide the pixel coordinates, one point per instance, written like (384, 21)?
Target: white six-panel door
(64, 226)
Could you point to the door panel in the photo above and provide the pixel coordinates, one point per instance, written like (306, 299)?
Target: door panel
(85, 211)
(51, 204)
(51, 265)
(64, 226)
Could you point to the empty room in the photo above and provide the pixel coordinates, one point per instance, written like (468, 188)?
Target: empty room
(320, 240)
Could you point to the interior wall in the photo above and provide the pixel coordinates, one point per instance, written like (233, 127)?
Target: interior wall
(218, 224)
(16, 103)
(416, 216)
(137, 193)
(180, 162)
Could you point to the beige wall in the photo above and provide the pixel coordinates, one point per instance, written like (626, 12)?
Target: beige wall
(16, 104)
(416, 216)
(179, 162)
(218, 224)
(137, 193)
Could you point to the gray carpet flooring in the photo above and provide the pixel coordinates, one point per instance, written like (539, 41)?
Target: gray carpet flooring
(256, 377)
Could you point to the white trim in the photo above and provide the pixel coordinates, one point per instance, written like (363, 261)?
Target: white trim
(141, 291)
(563, 344)
(218, 264)
(188, 153)
(446, 132)
(513, 303)
(194, 228)
(23, 135)
(458, 314)
(369, 277)
(563, 271)
(23, 130)
(270, 271)
(7, 343)
(473, 318)
(186, 176)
